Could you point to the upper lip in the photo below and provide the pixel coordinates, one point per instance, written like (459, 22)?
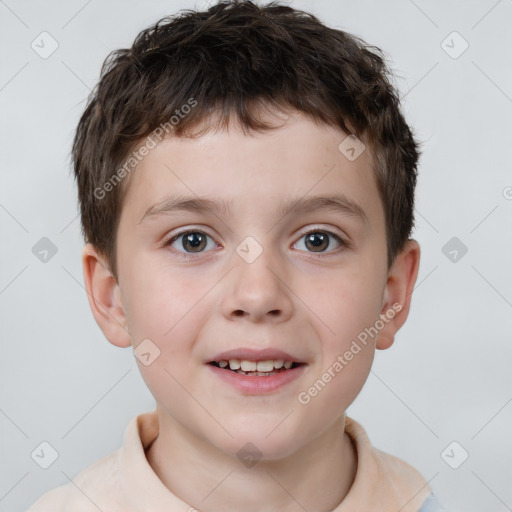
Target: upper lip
(249, 354)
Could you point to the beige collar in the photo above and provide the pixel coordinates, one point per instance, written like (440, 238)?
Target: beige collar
(383, 482)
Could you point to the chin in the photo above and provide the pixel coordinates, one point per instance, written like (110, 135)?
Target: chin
(266, 440)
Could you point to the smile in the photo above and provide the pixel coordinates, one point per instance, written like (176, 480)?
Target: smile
(257, 377)
(256, 368)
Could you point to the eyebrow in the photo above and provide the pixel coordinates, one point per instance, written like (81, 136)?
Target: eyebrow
(338, 203)
(170, 205)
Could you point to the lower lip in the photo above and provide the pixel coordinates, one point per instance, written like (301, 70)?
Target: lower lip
(258, 384)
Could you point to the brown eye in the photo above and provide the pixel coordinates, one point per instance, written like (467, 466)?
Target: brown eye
(189, 242)
(318, 241)
(195, 241)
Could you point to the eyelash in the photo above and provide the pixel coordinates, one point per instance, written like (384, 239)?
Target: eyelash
(343, 245)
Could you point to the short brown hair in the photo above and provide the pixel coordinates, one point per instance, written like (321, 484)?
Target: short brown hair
(232, 60)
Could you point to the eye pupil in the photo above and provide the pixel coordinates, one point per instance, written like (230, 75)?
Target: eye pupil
(195, 239)
(317, 240)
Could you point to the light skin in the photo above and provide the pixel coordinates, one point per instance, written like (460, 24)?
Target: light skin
(307, 300)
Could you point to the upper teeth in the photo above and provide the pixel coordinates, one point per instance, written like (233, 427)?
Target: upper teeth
(253, 366)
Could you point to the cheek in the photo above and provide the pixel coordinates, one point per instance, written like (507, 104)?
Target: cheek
(343, 307)
(172, 326)
(159, 302)
(168, 309)
(342, 370)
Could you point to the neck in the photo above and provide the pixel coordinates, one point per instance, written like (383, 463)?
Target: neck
(316, 477)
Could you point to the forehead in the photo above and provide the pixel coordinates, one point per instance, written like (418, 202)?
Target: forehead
(262, 173)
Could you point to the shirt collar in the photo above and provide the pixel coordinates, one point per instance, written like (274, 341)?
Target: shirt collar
(382, 482)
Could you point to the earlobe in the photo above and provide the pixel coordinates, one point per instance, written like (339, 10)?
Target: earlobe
(104, 297)
(398, 293)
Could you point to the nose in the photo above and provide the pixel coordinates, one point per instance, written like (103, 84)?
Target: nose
(258, 291)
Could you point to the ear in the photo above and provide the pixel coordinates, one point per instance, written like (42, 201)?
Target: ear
(398, 292)
(104, 297)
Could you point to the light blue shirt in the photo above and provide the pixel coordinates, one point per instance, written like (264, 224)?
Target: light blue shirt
(431, 505)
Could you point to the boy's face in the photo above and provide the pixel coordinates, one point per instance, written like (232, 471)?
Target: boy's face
(309, 296)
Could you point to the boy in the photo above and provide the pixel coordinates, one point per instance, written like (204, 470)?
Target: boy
(276, 148)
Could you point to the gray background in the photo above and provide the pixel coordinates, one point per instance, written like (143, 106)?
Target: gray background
(447, 377)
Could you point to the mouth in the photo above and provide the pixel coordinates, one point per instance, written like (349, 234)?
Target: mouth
(265, 368)
(257, 372)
